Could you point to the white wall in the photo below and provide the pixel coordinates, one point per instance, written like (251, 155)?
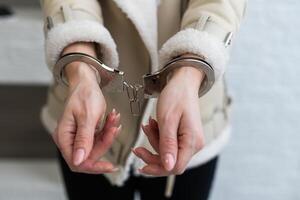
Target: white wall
(263, 158)
(21, 47)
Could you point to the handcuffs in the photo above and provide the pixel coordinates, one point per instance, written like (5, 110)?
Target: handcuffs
(113, 80)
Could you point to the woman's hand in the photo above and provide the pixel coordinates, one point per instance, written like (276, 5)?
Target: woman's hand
(77, 134)
(177, 135)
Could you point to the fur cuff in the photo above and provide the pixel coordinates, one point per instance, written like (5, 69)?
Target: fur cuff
(197, 42)
(80, 31)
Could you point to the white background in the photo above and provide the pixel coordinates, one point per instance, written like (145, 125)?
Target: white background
(263, 159)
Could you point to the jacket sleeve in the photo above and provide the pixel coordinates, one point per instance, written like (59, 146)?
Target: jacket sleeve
(207, 28)
(70, 21)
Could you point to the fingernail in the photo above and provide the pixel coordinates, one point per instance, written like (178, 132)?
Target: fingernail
(113, 111)
(169, 161)
(119, 128)
(118, 116)
(79, 156)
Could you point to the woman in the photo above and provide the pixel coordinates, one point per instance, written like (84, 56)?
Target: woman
(178, 148)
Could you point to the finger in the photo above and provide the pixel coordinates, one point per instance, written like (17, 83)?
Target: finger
(65, 137)
(99, 167)
(168, 126)
(146, 155)
(153, 124)
(185, 152)
(155, 170)
(113, 119)
(84, 138)
(153, 136)
(104, 142)
(108, 120)
(116, 121)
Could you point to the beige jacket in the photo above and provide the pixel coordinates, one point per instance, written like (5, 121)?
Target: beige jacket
(138, 37)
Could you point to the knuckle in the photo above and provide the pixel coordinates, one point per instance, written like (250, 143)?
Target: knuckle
(82, 118)
(168, 119)
(169, 141)
(81, 140)
(85, 115)
(85, 126)
(88, 123)
(169, 130)
(82, 125)
(188, 141)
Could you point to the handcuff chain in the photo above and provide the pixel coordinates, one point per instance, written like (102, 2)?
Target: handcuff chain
(133, 97)
(153, 83)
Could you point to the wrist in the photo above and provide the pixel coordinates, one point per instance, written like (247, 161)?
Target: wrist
(76, 72)
(79, 71)
(193, 76)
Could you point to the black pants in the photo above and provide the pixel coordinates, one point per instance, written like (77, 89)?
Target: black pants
(193, 184)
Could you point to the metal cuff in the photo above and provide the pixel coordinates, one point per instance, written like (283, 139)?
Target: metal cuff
(107, 73)
(154, 83)
(113, 80)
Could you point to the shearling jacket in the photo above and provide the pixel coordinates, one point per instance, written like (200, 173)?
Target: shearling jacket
(139, 37)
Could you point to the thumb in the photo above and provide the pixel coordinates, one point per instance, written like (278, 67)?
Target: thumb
(168, 146)
(84, 140)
